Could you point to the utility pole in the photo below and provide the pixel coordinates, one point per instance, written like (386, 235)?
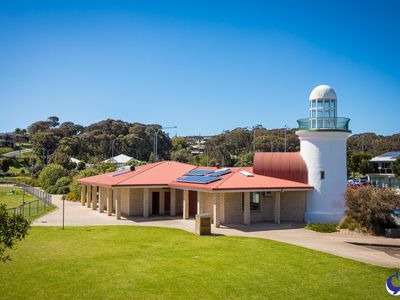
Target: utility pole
(254, 140)
(156, 140)
(286, 129)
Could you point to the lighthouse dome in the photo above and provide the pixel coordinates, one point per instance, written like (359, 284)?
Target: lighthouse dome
(323, 92)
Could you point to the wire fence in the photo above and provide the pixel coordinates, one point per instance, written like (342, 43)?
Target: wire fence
(32, 208)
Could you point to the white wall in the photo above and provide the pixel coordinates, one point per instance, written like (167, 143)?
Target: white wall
(325, 151)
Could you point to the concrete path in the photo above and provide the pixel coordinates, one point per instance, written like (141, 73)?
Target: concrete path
(16, 153)
(379, 251)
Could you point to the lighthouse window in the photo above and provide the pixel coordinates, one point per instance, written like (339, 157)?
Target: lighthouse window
(320, 103)
(313, 104)
(322, 175)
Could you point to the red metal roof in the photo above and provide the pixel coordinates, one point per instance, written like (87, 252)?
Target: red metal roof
(284, 165)
(166, 173)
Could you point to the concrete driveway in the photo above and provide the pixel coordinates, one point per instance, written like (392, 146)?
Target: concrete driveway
(379, 251)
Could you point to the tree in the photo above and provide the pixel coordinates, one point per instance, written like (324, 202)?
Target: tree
(358, 162)
(396, 167)
(4, 164)
(372, 207)
(181, 155)
(54, 121)
(50, 174)
(12, 228)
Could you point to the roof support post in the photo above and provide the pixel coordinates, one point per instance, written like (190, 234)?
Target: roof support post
(216, 210)
(222, 207)
(109, 201)
(117, 204)
(146, 201)
(185, 204)
(246, 208)
(83, 194)
(277, 208)
(162, 203)
(200, 203)
(89, 196)
(173, 202)
(101, 199)
(94, 197)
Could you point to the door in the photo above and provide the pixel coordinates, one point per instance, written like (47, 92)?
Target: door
(156, 203)
(167, 203)
(192, 203)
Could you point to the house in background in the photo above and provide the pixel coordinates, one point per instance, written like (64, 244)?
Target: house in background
(121, 160)
(7, 140)
(382, 174)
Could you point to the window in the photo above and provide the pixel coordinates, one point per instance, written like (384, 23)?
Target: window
(322, 175)
(255, 201)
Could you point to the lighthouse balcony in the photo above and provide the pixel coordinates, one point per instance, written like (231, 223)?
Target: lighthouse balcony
(324, 124)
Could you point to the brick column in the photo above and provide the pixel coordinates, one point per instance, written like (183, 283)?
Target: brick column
(83, 194)
(216, 210)
(117, 194)
(222, 207)
(277, 208)
(246, 209)
(162, 203)
(89, 196)
(146, 202)
(101, 199)
(200, 203)
(94, 197)
(173, 202)
(109, 201)
(185, 204)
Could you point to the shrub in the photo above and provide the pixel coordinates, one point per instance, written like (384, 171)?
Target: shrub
(351, 224)
(50, 174)
(371, 207)
(73, 195)
(319, 227)
(63, 181)
(63, 190)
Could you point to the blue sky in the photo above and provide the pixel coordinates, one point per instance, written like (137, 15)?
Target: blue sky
(204, 66)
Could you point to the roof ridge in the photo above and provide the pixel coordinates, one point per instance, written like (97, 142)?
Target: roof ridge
(227, 177)
(133, 175)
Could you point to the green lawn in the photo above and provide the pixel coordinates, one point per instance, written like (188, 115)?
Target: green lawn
(31, 211)
(126, 262)
(13, 200)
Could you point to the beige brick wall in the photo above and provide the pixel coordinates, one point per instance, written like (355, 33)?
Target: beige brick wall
(233, 208)
(266, 211)
(293, 206)
(208, 200)
(124, 194)
(136, 202)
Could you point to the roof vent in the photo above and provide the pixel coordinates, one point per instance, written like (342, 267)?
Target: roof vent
(121, 170)
(245, 173)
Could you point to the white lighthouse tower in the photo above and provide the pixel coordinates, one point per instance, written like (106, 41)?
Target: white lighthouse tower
(323, 147)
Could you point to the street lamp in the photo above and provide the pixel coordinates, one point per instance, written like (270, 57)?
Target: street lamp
(112, 148)
(286, 129)
(156, 140)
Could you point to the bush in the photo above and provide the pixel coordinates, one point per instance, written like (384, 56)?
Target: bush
(371, 207)
(63, 190)
(73, 195)
(50, 174)
(63, 181)
(319, 227)
(351, 224)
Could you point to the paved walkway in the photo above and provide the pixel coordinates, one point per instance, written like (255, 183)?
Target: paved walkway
(376, 250)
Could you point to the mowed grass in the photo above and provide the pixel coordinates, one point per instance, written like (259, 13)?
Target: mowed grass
(13, 200)
(127, 262)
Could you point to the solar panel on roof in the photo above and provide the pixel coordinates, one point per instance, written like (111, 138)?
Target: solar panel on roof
(220, 172)
(198, 179)
(198, 172)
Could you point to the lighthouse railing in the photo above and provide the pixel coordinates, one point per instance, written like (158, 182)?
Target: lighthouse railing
(324, 123)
